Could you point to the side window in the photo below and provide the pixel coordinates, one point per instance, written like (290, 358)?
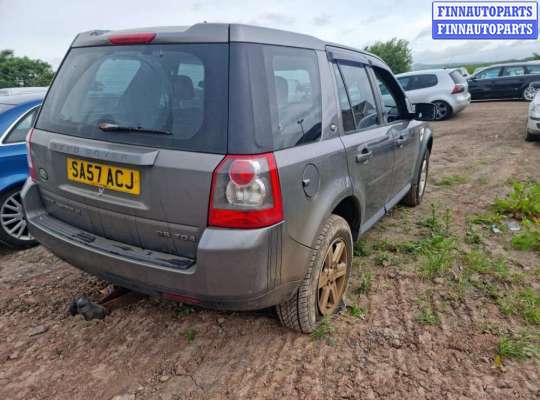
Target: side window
(19, 131)
(405, 82)
(425, 81)
(533, 69)
(296, 83)
(392, 96)
(513, 71)
(345, 105)
(489, 73)
(360, 95)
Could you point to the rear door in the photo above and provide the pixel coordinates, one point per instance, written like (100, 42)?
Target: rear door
(511, 82)
(128, 138)
(368, 143)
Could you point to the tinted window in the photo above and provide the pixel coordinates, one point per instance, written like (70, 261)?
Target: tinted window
(175, 89)
(513, 71)
(345, 105)
(488, 73)
(422, 82)
(533, 69)
(457, 77)
(360, 95)
(19, 131)
(392, 96)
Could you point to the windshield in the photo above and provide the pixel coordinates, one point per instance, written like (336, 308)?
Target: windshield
(180, 89)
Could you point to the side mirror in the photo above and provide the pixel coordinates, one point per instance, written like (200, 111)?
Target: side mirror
(424, 112)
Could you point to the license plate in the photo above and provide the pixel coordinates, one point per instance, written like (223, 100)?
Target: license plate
(104, 176)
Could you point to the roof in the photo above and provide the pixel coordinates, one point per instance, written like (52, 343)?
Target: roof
(21, 98)
(516, 63)
(215, 33)
(424, 71)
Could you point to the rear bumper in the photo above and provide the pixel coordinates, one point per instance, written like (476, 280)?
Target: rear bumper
(234, 269)
(533, 125)
(460, 101)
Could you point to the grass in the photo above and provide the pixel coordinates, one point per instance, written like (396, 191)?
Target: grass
(451, 180)
(357, 311)
(190, 335)
(528, 239)
(324, 329)
(365, 283)
(519, 347)
(523, 202)
(428, 317)
(524, 302)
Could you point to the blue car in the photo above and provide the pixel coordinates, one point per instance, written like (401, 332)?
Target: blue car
(17, 115)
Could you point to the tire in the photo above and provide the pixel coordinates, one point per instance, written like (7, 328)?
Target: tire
(302, 312)
(444, 111)
(528, 93)
(13, 228)
(529, 137)
(416, 193)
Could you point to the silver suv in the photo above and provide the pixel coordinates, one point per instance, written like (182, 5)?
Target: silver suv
(228, 166)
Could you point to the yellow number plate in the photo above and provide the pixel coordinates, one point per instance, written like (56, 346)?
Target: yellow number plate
(106, 176)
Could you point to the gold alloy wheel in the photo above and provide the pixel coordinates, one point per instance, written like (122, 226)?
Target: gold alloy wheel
(332, 280)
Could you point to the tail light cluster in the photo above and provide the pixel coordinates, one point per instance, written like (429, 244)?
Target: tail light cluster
(245, 192)
(31, 168)
(458, 88)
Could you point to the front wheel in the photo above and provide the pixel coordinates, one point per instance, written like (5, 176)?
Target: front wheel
(321, 292)
(13, 226)
(416, 193)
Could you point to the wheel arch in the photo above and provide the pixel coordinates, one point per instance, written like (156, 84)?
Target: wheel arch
(350, 210)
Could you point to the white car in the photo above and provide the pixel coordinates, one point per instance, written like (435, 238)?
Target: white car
(446, 89)
(533, 123)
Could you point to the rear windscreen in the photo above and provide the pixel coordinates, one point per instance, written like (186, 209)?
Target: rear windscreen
(171, 96)
(457, 77)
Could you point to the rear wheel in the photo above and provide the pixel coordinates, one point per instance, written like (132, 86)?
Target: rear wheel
(13, 226)
(528, 93)
(443, 110)
(416, 193)
(321, 292)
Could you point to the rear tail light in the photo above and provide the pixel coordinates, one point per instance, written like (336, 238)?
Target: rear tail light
(245, 193)
(133, 38)
(31, 168)
(459, 88)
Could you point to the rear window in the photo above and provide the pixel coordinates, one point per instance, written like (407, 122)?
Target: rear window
(457, 77)
(179, 90)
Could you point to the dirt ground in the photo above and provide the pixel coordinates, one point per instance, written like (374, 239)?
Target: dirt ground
(156, 349)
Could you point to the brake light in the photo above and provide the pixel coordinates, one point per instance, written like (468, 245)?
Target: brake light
(133, 38)
(245, 192)
(31, 168)
(458, 88)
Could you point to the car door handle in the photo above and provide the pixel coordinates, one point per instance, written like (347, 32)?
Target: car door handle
(364, 156)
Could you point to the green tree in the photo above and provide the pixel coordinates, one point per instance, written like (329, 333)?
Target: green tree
(396, 53)
(23, 71)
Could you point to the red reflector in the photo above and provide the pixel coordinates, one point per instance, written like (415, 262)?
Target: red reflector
(31, 168)
(133, 38)
(242, 172)
(458, 89)
(180, 298)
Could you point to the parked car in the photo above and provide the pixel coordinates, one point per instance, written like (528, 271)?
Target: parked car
(16, 117)
(446, 89)
(505, 81)
(228, 166)
(23, 90)
(533, 122)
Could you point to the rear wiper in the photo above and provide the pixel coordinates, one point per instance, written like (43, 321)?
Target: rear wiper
(108, 127)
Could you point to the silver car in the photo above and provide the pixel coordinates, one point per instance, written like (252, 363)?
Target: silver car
(223, 165)
(533, 122)
(446, 89)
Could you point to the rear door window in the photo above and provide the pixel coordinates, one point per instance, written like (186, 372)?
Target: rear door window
(533, 69)
(170, 96)
(344, 103)
(513, 71)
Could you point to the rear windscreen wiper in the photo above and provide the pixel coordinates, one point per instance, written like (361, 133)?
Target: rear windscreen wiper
(108, 127)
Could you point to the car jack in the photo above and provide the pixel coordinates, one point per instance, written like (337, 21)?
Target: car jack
(114, 297)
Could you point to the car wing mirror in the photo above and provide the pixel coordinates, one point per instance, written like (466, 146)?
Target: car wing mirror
(424, 112)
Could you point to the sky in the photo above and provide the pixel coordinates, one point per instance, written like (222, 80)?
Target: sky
(44, 29)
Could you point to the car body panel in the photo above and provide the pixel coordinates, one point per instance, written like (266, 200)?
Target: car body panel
(533, 120)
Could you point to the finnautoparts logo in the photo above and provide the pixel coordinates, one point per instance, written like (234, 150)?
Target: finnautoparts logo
(485, 20)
